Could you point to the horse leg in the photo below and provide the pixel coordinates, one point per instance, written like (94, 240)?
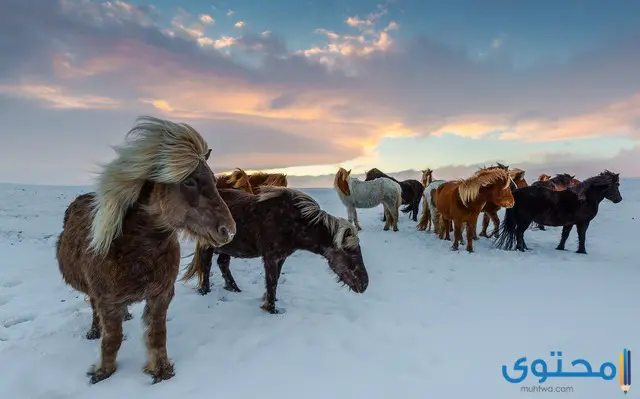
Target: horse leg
(387, 220)
(485, 225)
(471, 229)
(111, 322)
(280, 263)
(155, 321)
(355, 219)
(206, 256)
(94, 331)
(224, 261)
(582, 235)
(126, 315)
(395, 214)
(496, 224)
(447, 228)
(563, 238)
(271, 284)
(457, 234)
(520, 243)
(416, 208)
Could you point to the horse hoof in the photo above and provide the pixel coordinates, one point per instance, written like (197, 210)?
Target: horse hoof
(232, 288)
(395, 229)
(162, 372)
(204, 290)
(581, 252)
(92, 334)
(270, 308)
(559, 248)
(97, 374)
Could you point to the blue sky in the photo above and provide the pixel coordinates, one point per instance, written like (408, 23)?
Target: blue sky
(304, 87)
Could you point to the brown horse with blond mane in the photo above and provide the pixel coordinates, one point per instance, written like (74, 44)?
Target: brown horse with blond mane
(461, 201)
(119, 244)
(490, 210)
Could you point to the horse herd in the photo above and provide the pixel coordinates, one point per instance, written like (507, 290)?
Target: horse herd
(119, 245)
(558, 201)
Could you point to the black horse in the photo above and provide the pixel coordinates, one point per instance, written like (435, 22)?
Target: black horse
(411, 192)
(576, 205)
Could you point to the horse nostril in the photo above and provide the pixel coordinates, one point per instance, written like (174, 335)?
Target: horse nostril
(223, 231)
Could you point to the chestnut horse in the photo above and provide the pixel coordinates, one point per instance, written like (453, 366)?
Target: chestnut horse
(490, 210)
(259, 179)
(355, 194)
(273, 225)
(411, 191)
(119, 245)
(560, 182)
(238, 179)
(461, 201)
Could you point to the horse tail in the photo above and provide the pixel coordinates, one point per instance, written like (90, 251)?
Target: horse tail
(196, 268)
(426, 213)
(507, 236)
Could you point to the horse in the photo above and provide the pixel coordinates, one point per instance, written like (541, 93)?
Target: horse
(461, 201)
(490, 210)
(273, 225)
(411, 192)
(425, 219)
(119, 244)
(576, 205)
(558, 183)
(240, 179)
(355, 194)
(260, 179)
(544, 177)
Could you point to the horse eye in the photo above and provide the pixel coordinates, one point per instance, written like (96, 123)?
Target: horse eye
(189, 183)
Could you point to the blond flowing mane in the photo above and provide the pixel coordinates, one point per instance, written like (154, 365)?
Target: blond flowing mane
(155, 150)
(516, 173)
(311, 211)
(469, 189)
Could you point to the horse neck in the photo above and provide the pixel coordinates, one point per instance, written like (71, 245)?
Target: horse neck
(314, 238)
(144, 218)
(595, 193)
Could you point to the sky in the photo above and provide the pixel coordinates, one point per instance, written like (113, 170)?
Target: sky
(304, 87)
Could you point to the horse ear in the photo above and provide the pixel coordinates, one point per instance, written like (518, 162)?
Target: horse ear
(206, 156)
(348, 172)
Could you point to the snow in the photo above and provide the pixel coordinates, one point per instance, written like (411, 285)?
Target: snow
(433, 322)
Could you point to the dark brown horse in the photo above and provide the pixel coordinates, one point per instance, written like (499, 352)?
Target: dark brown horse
(274, 224)
(119, 244)
(461, 201)
(577, 205)
(411, 192)
(560, 182)
(491, 210)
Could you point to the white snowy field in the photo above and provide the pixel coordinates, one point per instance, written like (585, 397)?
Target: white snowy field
(432, 324)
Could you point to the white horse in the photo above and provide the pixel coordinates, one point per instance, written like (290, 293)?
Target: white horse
(356, 193)
(429, 211)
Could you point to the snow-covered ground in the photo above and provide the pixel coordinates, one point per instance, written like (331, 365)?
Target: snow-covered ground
(432, 324)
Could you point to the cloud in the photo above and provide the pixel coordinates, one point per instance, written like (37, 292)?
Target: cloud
(328, 103)
(239, 24)
(230, 13)
(206, 19)
(627, 163)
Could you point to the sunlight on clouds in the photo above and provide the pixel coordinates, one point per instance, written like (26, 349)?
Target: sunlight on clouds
(56, 98)
(619, 118)
(239, 24)
(206, 19)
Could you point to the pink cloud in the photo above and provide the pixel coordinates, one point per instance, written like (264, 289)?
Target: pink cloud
(363, 84)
